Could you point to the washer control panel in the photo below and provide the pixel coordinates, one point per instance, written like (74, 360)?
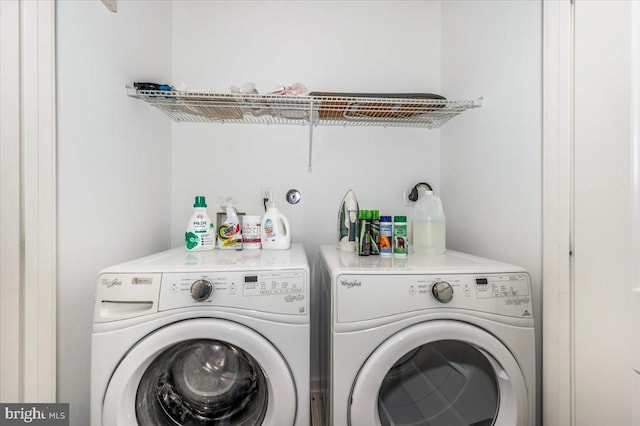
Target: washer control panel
(269, 291)
(362, 297)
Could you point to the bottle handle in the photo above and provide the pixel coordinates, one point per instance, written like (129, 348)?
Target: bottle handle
(413, 195)
(285, 225)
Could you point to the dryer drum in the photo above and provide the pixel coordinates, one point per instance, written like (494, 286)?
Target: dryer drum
(441, 383)
(202, 382)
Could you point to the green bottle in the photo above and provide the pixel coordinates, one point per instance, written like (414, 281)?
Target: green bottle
(400, 236)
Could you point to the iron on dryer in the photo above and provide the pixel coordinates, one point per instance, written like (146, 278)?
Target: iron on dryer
(440, 340)
(213, 337)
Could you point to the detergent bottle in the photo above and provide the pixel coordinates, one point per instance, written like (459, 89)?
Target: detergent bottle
(200, 233)
(429, 226)
(229, 231)
(275, 232)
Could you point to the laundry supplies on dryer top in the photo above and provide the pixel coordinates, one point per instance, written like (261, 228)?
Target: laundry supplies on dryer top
(431, 340)
(211, 337)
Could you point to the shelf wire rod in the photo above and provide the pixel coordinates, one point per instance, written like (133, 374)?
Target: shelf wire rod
(311, 121)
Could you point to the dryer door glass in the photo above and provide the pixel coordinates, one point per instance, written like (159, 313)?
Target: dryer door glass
(202, 382)
(441, 383)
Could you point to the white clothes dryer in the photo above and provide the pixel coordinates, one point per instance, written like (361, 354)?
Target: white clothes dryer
(214, 337)
(426, 340)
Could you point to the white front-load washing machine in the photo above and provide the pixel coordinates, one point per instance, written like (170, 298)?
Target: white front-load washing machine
(426, 340)
(194, 338)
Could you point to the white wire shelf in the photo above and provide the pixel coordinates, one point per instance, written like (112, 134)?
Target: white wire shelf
(322, 110)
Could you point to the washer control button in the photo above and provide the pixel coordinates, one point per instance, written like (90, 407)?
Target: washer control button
(442, 291)
(201, 290)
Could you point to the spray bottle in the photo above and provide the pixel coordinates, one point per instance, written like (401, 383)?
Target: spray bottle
(229, 232)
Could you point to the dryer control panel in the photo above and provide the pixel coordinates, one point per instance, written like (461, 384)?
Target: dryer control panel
(364, 297)
(513, 288)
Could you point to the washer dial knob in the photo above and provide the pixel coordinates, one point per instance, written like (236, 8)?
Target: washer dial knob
(201, 290)
(442, 291)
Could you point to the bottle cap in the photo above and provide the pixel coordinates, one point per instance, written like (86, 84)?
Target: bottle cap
(385, 218)
(376, 214)
(200, 202)
(363, 214)
(399, 218)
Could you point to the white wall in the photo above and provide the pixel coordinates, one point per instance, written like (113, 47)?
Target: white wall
(328, 46)
(113, 161)
(491, 169)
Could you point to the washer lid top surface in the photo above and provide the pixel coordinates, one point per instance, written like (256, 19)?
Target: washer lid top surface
(449, 263)
(180, 260)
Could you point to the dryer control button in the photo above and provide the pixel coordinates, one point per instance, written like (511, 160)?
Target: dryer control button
(201, 290)
(442, 291)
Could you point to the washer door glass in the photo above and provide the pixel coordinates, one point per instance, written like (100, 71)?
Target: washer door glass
(441, 383)
(202, 382)
(201, 371)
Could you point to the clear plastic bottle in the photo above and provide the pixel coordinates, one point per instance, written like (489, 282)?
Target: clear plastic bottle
(429, 225)
(200, 233)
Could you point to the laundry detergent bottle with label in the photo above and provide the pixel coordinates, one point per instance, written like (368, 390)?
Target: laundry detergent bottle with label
(275, 230)
(229, 231)
(200, 233)
(429, 225)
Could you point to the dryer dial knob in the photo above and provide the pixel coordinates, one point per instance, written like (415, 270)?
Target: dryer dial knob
(442, 291)
(201, 290)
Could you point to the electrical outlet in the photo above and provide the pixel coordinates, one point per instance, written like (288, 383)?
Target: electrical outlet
(405, 198)
(266, 193)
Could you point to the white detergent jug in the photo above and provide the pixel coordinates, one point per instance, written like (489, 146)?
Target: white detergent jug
(429, 225)
(275, 232)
